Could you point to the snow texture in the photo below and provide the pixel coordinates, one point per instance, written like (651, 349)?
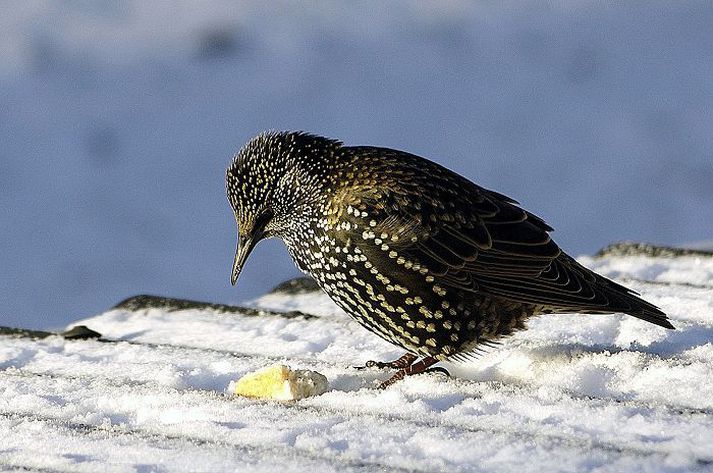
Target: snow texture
(119, 117)
(596, 393)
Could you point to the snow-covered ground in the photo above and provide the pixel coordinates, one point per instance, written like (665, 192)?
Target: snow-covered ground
(118, 118)
(605, 393)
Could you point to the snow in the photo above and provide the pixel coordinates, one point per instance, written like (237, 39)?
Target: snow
(118, 118)
(597, 393)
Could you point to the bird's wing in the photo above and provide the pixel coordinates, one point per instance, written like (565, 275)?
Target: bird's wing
(474, 239)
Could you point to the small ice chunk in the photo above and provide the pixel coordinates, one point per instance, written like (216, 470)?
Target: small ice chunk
(280, 383)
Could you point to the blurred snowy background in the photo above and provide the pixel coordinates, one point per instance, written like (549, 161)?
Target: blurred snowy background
(118, 118)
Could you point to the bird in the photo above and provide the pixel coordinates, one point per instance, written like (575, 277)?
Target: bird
(416, 253)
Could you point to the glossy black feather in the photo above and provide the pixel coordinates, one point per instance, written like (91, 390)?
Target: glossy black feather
(502, 250)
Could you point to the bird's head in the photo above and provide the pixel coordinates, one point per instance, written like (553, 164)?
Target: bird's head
(274, 185)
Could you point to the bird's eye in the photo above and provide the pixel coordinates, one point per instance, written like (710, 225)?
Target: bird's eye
(264, 218)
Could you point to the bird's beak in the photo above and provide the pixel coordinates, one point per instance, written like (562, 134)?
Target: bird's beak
(245, 247)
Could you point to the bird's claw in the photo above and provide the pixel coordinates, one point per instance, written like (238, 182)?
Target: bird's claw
(374, 364)
(438, 369)
(401, 374)
(404, 362)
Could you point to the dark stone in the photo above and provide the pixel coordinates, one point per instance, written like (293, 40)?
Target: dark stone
(296, 286)
(168, 304)
(80, 332)
(24, 333)
(631, 248)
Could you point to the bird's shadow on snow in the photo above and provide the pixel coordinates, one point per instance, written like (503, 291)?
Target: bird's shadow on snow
(519, 356)
(21, 359)
(678, 341)
(675, 343)
(131, 336)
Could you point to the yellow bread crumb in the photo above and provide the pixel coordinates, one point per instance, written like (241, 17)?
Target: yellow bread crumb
(281, 383)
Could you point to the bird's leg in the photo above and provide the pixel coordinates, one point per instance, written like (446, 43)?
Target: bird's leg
(403, 362)
(415, 368)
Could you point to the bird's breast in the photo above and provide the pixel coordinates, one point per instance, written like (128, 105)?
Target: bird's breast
(365, 274)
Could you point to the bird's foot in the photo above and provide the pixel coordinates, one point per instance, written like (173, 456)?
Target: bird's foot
(423, 366)
(403, 362)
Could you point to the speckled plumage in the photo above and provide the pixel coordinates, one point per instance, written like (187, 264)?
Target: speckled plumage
(414, 252)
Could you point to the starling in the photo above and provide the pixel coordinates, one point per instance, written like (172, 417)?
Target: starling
(414, 252)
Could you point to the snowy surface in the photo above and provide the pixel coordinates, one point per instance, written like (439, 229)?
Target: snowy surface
(118, 118)
(605, 393)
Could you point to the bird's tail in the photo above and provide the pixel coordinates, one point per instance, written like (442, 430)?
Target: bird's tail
(622, 299)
